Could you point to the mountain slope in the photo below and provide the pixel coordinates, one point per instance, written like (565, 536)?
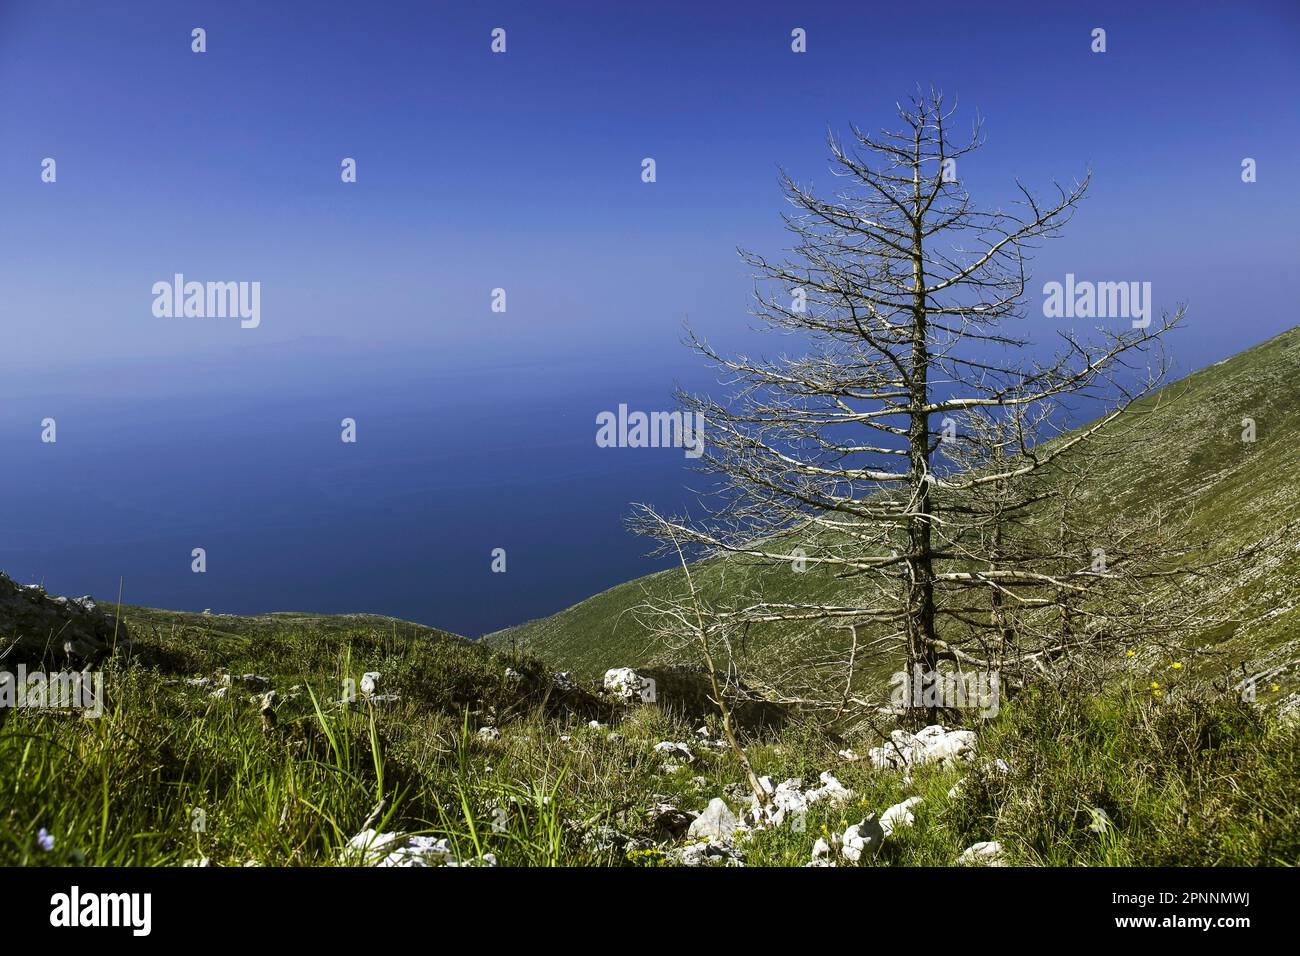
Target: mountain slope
(1239, 492)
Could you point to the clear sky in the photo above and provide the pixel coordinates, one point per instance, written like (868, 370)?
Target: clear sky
(522, 170)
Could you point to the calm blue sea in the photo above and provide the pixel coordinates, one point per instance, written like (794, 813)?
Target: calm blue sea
(241, 455)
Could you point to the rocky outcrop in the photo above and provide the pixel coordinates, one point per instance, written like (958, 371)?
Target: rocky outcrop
(45, 632)
(628, 687)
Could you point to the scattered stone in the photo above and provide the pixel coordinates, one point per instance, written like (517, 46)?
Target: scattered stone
(605, 839)
(709, 853)
(862, 840)
(627, 686)
(738, 791)
(934, 744)
(849, 755)
(1100, 822)
(597, 725)
(489, 734)
(785, 800)
(370, 682)
(825, 850)
(513, 676)
(717, 822)
(372, 848)
(899, 815)
(831, 791)
(616, 738)
(251, 681)
(988, 853)
(788, 799)
(563, 680)
(675, 750)
(670, 821)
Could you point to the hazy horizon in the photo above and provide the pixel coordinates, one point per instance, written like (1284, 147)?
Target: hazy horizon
(519, 171)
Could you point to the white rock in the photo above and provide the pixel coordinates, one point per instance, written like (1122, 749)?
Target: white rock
(934, 744)
(708, 853)
(675, 750)
(899, 815)
(862, 840)
(1100, 820)
(489, 734)
(369, 682)
(627, 685)
(824, 850)
(988, 853)
(717, 823)
(372, 848)
(256, 681)
(831, 791)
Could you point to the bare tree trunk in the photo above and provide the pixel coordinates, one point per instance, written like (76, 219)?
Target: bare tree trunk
(919, 592)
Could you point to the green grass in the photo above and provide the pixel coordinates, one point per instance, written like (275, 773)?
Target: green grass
(1191, 775)
(1187, 777)
(1192, 457)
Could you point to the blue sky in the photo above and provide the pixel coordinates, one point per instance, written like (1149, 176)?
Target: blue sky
(522, 171)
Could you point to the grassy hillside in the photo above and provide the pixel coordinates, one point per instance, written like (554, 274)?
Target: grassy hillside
(233, 740)
(190, 760)
(492, 756)
(1194, 457)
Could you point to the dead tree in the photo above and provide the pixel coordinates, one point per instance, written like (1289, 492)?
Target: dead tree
(900, 291)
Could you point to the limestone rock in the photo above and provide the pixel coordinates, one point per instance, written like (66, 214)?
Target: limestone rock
(717, 822)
